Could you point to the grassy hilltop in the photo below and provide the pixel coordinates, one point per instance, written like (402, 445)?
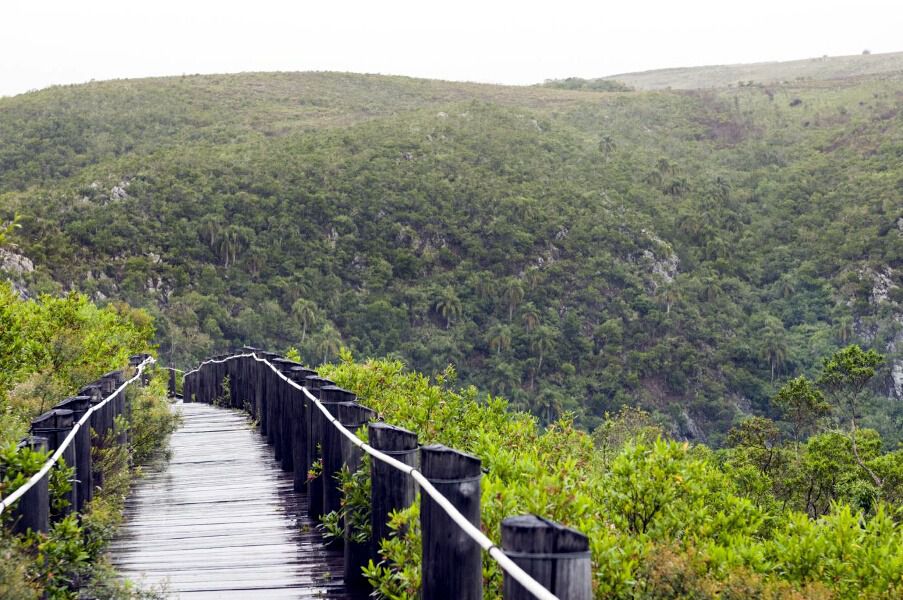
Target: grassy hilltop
(818, 69)
(686, 251)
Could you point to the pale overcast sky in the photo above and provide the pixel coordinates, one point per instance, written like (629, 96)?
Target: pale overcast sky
(44, 42)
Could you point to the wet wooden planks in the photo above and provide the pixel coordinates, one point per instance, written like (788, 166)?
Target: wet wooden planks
(220, 520)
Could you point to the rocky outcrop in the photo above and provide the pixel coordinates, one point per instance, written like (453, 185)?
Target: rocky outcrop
(15, 264)
(14, 267)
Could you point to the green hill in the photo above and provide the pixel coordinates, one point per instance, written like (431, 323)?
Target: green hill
(717, 76)
(570, 249)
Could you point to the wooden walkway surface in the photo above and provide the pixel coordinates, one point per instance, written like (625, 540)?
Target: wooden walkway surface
(220, 520)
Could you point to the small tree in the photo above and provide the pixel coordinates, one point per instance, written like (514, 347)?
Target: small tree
(7, 228)
(759, 437)
(802, 405)
(845, 376)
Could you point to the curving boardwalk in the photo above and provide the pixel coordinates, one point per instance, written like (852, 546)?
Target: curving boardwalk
(220, 520)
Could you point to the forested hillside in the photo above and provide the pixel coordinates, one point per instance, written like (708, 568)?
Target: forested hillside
(572, 250)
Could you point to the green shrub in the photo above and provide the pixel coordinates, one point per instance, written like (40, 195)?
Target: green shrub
(665, 519)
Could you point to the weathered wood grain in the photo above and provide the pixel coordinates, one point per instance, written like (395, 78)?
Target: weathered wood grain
(221, 519)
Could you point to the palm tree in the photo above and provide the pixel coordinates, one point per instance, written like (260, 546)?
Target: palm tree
(484, 285)
(716, 248)
(711, 289)
(231, 243)
(305, 312)
(530, 316)
(512, 294)
(533, 276)
(774, 344)
(209, 230)
(722, 188)
(845, 328)
(543, 341)
(664, 167)
(678, 187)
(786, 286)
(449, 306)
(500, 338)
(330, 342)
(670, 296)
(690, 225)
(654, 178)
(552, 406)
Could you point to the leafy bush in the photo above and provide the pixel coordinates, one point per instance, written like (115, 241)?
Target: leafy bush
(665, 518)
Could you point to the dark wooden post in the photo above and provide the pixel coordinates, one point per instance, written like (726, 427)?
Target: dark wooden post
(54, 425)
(284, 438)
(234, 382)
(188, 387)
(95, 423)
(314, 448)
(451, 565)
(357, 554)
(274, 432)
(79, 405)
(264, 390)
(270, 391)
(331, 396)
(32, 511)
(262, 403)
(248, 398)
(300, 415)
(172, 383)
(554, 555)
(117, 404)
(390, 489)
(107, 415)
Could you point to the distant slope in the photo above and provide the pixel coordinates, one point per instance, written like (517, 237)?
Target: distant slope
(715, 76)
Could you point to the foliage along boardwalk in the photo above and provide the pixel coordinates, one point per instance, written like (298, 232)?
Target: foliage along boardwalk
(220, 520)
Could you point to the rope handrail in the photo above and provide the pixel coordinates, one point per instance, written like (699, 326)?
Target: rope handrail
(507, 565)
(23, 489)
(220, 361)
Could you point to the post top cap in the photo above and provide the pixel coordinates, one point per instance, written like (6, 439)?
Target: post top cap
(532, 533)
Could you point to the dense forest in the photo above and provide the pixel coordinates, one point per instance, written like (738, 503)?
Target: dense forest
(573, 250)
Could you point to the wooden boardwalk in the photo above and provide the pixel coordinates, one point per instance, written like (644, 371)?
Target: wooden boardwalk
(220, 520)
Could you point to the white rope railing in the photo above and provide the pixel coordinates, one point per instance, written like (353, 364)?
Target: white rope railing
(219, 361)
(507, 565)
(22, 489)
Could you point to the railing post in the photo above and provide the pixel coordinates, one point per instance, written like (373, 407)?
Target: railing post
(299, 415)
(79, 405)
(117, 404)
(554, 555)
(314, 431)
(232, 370)
(172, 387)
(451, 565)
(260, 391)
(331, 396)
(390, 489)
(354, 416)
(248, 399)
(188, 387)
(284, 438)
(54, 425)
(32, 511)
(96, 429)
